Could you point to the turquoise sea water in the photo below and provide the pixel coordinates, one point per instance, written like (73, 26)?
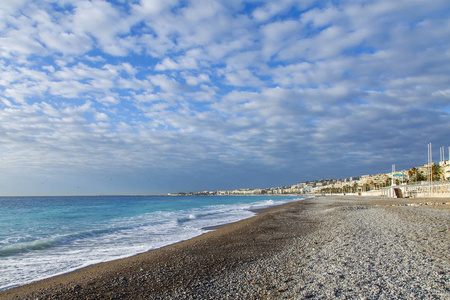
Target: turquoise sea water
(44, 236)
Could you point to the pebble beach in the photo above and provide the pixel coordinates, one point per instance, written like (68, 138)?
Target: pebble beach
(333, 247)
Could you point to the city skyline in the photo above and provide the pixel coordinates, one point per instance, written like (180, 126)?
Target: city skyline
(156, 97)
(351, 184)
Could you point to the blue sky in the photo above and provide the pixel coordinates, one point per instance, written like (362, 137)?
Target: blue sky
(158, 96)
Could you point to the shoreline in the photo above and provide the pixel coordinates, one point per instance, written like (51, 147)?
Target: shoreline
(208, 229)
(256, 211)
(198, 267)
(245, 212)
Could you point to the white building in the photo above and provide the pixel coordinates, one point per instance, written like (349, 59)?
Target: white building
(445, 168)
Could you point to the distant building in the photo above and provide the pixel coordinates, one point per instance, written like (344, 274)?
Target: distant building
(423, 170)
(445, 169)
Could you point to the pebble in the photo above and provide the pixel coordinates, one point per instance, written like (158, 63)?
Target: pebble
(364, 253)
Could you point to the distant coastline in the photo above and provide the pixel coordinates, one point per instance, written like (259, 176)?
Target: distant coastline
(427, 174)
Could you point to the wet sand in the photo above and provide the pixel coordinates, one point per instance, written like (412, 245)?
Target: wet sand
(326, 247)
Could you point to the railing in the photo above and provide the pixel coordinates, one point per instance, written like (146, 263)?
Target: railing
(424, 189)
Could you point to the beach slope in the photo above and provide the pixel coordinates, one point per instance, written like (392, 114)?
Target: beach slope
(326, 247)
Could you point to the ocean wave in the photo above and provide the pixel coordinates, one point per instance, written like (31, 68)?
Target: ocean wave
(197, 216)
(30, 246)
(224, 213)
(51, 242)
(185, 219)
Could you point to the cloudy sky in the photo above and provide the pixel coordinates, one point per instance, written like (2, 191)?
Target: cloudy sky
(157, 96)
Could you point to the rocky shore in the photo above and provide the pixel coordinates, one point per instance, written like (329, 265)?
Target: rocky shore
(322, 248)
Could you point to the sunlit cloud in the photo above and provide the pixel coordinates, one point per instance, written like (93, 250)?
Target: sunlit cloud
(186, 95)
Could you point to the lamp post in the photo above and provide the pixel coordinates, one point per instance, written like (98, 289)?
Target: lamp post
(430, 167)
(393, 171)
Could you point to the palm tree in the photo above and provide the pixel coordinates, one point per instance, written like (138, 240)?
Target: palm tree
(413, 173)
(436, 172)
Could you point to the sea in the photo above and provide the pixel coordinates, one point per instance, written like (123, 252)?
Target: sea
(41, 237)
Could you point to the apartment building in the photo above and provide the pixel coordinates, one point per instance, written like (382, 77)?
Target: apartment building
(445, 168)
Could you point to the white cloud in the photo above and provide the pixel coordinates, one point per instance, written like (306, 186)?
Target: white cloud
(444, 93)
(22, 91)
(68, 88)
(242, 78)
(318, 47)
(95, 59)
(167, 84)
(8, 8)
(155, 85)
(167, 64)
(270, 9)
(109, 100)
(105, 23)
(275, 36)
(196, 80)
(101, 117)
(17, 42)
(243, 60)
(147, 97)
(323, 17)
(6, 102)
(133, 84)
(154, 7)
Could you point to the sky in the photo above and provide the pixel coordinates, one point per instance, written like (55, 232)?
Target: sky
(166, 96)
